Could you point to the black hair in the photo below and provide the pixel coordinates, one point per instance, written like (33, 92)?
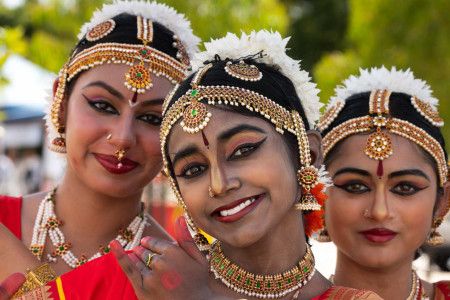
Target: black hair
(125, 32)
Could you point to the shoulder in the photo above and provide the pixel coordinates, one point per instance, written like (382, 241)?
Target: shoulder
(345, 293)
(441, 290)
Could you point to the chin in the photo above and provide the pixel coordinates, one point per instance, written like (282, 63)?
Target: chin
(242, 239)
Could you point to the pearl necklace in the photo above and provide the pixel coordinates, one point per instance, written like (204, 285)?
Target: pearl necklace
(47, 223)
(261, 286)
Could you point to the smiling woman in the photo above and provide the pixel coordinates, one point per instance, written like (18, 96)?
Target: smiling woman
(385, 151)
(104, 116)
(245, 166)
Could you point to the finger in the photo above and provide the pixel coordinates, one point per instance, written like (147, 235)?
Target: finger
(186, 242)
(144, 255)
(139, 264)
(156, 245)
(10, 285)
(128, 266)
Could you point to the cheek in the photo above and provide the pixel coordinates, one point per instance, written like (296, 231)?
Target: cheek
(150, 141)
(341, 213)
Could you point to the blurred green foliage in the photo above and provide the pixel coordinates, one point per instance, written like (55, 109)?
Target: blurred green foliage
(333, 38)
(411, 34)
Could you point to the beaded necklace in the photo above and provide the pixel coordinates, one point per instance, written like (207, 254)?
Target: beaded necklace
(47, 223)
(260, 286)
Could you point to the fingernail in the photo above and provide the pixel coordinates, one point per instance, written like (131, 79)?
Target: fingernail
(114, 244)
(145, 240)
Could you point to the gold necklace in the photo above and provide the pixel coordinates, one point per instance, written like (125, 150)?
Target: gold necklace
(260, 286)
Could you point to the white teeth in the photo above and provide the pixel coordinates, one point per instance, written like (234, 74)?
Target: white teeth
(237, 208)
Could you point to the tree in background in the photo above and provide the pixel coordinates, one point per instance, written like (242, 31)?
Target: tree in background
(50, 27)
(412, 34)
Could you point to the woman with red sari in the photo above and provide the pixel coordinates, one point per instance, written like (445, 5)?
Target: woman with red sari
(105, 116)
(386, 154)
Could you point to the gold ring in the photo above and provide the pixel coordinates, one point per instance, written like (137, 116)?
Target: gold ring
(149, 259)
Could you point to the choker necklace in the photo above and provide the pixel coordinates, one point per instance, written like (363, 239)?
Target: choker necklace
(260, 286)
(47, 223)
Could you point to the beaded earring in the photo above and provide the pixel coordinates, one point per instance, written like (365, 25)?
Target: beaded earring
(435, 238)
(58, 144)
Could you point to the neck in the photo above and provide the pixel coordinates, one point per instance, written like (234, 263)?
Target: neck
(81, 209)
(379, 280)
(278, 251)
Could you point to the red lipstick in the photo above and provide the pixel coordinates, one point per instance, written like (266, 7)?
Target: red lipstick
(379, 235)
(113, 165)
(236, 210)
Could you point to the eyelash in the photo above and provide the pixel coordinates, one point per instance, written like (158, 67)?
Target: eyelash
(105, 107)
(249, 149)
(202, 168)
(346, 187)
(413, 189)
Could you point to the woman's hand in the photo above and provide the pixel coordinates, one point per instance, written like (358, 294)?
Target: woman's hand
(10, 285)
(176, 271)
(14, 256)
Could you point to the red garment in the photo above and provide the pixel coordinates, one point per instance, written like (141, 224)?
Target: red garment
(101, 278)
(10, 214)
(442, 290)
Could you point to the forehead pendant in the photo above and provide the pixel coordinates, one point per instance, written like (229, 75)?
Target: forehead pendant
(379, 144)
(196, 115)
(138, 78)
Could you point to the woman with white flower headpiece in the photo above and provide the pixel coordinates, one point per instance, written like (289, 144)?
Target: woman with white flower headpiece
(105, 116)
(386, 154)
(244, 164)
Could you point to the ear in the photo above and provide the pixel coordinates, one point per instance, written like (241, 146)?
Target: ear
(315, 144)
(442, 203)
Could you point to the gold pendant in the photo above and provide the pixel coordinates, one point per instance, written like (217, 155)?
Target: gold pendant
(379, 145)
(138, 79)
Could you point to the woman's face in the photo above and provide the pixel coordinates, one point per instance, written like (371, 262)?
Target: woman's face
(98, 106)
(250, 170)
(380, 222)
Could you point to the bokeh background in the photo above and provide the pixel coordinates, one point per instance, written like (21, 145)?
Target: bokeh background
(332, 38)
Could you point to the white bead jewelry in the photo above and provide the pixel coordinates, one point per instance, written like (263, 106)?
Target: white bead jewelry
(47, 223)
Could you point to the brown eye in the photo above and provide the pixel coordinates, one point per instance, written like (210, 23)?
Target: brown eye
(405, 189)
(354, 187)
(151, 119)
(192, 171)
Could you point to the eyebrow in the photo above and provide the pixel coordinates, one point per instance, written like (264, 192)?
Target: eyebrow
(189, 150)
(107, 87)
(237, 129)
(415, 172)
(116, 93)
(353, 171)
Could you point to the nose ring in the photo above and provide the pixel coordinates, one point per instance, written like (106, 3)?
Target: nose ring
(109, 136)
(211, 192)
(120, 154)
(366, 213)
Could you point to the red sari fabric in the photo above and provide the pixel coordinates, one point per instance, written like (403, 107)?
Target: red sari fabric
(101, 278)
(345, 293)
(442, 290)
(10, 212)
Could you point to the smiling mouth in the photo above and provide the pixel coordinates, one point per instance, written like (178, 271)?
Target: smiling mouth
(236, 210)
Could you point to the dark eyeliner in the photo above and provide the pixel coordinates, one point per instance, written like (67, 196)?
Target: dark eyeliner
(255, 146)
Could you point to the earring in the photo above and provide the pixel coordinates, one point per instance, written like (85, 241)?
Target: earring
(108, 137)
(58, 144)
(435, 238)
(323, 236)
(211, 192)
(200, 240)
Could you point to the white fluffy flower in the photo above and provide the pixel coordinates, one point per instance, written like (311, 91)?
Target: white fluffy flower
(157, 12)
(394, 80)
(273, 47)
